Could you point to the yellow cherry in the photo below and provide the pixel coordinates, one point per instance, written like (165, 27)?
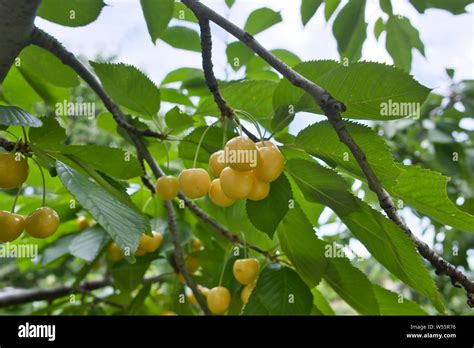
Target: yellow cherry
(247, 291)
(83, 223)
(13, 170)
(217, 196)
(218, 300)
(246, 270)
(11, 226)
(150, 244)
(192, 264)
(114, 253)
(196, 245)
(270, 164)
(236, 185)
(260, 190)
(167, 188)
(42, 223)
(217, 163)
(194, 182)
(241, 153)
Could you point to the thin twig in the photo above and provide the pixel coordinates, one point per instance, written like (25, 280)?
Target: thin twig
(332, 109)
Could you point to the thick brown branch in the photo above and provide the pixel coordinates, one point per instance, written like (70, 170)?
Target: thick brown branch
(19, 297)
(16, 24)
(332, 109)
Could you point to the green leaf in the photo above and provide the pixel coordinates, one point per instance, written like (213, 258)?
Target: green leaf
(351, 284)
(426, 190)
(139, 299)
(402, 37)
(174, 96)
(330, 6)
(379, 28)
(88, 244)
(386, 6)
(71, 13)
(129, 87)
(182, 12)
(299, 242)
(157, 15)
(261, 19)
(279, 291)
(126, 276)
(57, 250)
(267, 213)
(385, 241)
(178, 120)
(183, 38)
(308, 9)
(15, 116)
(256, 65)
(453, 6)
(238, 54)
(255, 97)
(48, 67)
(322, 305)
(49, 136)
(401, 181)
(119, 164)
(350, 30)
(369, 90)
(183, 75)
(122, 223)
(229, 3)
(391, 303)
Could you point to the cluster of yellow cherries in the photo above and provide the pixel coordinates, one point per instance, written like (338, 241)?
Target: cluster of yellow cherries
(41, 223)
(233, 180)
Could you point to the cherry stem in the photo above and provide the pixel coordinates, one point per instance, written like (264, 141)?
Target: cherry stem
(24, 134)
(16, 200)
(200, 142)
(43, 179)
(252, 119)
(225, 264)
(245, 244)
(224, 133)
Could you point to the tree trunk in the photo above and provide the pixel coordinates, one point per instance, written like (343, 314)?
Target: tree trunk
(16, 24)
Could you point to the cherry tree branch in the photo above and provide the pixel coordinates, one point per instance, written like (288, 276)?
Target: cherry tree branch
(16, 24)
(211, 81)
(18, 297)
(332, 109)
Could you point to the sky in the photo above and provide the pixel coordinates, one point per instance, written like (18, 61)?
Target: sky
(121, 32)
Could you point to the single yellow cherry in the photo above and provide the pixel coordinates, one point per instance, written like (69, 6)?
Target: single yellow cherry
(217, 163)
(236, 185)
(83, 223)
(270, 164)
(196, 245)
(11, 226)
(194, 182)
(192, 264)
(114, 253)
(218, 300)
(42, 223)
(167, 188)
(247, 291)
(241, 154)
(13, 170)
(246, 270)
(217, 196)
(260, 190)
(150, 244)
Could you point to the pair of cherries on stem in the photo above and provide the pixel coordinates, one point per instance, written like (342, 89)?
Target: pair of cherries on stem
(41, 223)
